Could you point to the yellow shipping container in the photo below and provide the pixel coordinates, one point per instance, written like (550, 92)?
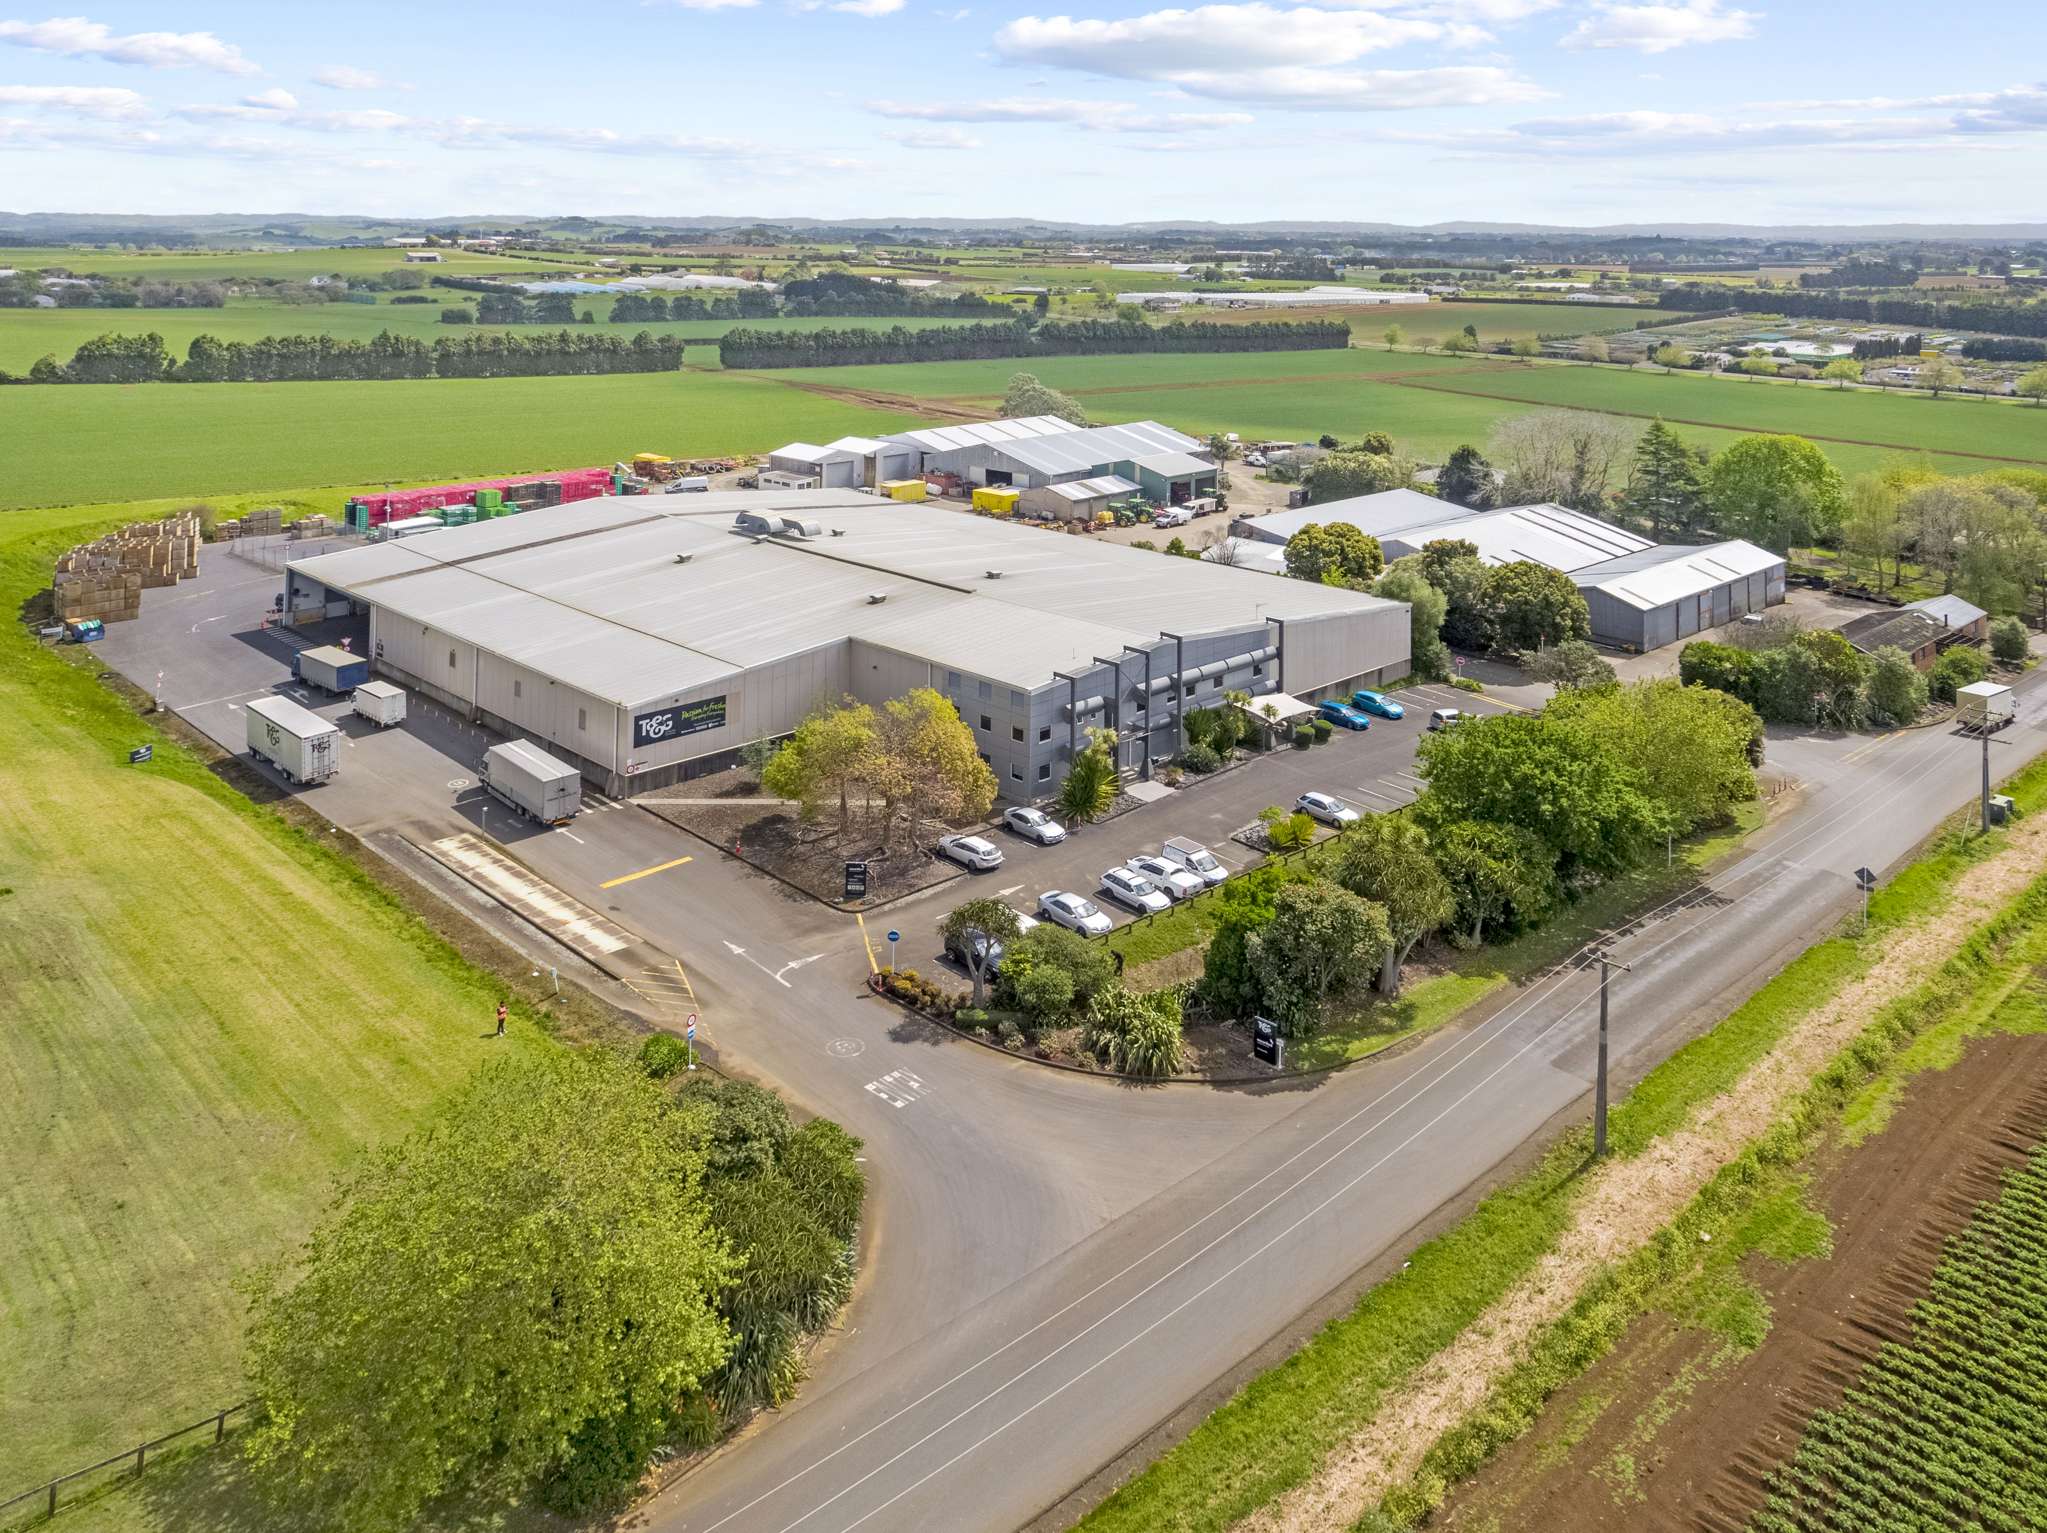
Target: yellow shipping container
(904, 489)
(995, 500)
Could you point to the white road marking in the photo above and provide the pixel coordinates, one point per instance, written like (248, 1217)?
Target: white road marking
(230, 698)
(797, 964)
(516, 887)
(898, 1088)
(1012, 889)
(205, 620)
(740, 952)
(560, 829)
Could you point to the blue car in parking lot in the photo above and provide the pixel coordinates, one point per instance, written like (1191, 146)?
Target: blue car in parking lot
(1377, 703)
(1343, 716)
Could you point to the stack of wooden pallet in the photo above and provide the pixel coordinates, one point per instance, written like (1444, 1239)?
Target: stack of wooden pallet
(105, 578)
(267, 523)
(314, 526)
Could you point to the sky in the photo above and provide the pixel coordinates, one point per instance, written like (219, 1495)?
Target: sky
(1106, 111)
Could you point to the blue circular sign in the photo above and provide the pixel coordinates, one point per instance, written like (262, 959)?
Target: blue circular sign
(895, 936)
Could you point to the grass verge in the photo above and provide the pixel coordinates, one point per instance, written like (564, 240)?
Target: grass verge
(1277, 1430)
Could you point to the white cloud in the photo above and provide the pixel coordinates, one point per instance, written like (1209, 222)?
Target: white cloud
(2015, 94)
(108, 102)
(1363, 90)
(1160, 44)
(934, 138)
(869, 7)
(1613, 135)
(274, 100)
(1098, 116)
(1660, 28)
(713, 5)
(348, 77)
(76, 37)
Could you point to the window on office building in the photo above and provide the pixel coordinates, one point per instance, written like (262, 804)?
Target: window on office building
(986, 723)
(1016, 773)
(987, 691)
(1044, 733)
(451, 660)
(1044, 770)
(1017, 699)
(952, 681)
(1016, 732)
(582, 718)
(517, 690)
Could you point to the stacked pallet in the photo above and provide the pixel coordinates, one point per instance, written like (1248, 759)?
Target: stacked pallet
(267, 523)
(106, 578)
(314, 526)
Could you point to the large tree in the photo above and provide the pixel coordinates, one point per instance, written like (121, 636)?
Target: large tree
(1388, 861)
(1334, 553)
(1534, 606)
(972, 929)
(535, 1259)
(1666, 490)
(1027, 396)
(1466, 479)
(1777, 491)
(1428, 657)
(1568, 457)
(1547, 776)
(1687, 746)
(1342, 475)
(1495, 873)
(926, 760)
(830, 752)
(1320, 939)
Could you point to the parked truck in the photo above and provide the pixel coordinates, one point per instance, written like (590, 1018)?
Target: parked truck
(295, 740)
(330, 668)
(524, 776)
(381, 703)
(1985, 705)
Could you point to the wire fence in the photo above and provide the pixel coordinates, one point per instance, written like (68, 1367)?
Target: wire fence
(274, 553)
(134, 1459)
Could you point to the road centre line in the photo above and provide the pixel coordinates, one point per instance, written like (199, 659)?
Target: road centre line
(659, 867)
(868, 943)
(1479, 1039)
(1297, 1224)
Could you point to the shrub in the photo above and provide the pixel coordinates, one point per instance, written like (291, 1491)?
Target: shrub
(1010, 1034)
(1465, 684)
(458, 316)
(662, 1055)
(1200, 759)
(1304, 736)
(1897, 691)
(1957, 667)
(2009, 641)
(606, 1458)
(1285, 831)
(1049, 972)
(821, 1161)
(973, 1018)
(1136, 1033)
(1323, 729)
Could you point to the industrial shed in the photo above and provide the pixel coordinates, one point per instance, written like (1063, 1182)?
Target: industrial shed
(848, 463)
(1661, 594)
(1406, 521)
(1076, 500)
(648, 638)
(1033, 451)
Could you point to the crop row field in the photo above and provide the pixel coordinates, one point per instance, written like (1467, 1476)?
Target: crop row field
(67, 443)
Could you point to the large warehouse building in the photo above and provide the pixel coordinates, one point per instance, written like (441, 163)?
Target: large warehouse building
(648, 638)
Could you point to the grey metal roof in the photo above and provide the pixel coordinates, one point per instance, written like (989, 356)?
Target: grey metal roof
(1045, 444)
(592, 593)
(1093, 489)
(1374, 515)
(1951, 610)
(1557, 536)
(1663, 573)
(1907, 629)
(1174, 465)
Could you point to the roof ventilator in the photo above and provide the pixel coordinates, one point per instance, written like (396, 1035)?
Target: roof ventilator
(876, 598)
(994, 574)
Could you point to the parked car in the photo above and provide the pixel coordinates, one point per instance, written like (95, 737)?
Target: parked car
(1378, 704)
(1034, 825)
(1176, 883)
(1073, 913)
(1343, 716)
(1171, 516)
(1327, 808)
(1195, 858)
(956, 946)
(1447, 718)
(1127, 886)
(976, 853)
(1254, 460)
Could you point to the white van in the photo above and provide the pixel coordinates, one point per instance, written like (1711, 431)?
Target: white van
(1447, 718)
(1194, 858)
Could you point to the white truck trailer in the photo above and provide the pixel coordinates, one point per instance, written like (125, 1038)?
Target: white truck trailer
(1985, 705)
(533, 782)
(381, 703)
(295, 740)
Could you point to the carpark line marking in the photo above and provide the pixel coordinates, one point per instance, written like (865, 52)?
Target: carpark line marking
(563, 829)
(1560, 971)
(659, 867)
(1375, 793)
(867, 942)
(1496, 1026)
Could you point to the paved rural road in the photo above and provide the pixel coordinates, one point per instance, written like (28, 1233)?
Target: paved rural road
(1060, 1263)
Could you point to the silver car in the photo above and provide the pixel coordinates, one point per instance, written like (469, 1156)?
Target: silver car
(1127, 886)
(974, 852)
(1326, 808)
(1176, 883)
(1034, 825)
(1074, 913)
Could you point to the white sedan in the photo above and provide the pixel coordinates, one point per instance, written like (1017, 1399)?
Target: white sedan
(1329, 810)
(1177, 883)
(1074, 913)
(1034, 825)
(974, 852)
(1127, 886)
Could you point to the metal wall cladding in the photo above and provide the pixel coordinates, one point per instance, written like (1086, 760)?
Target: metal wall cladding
(545, 788)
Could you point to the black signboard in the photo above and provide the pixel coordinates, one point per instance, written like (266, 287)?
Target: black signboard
(683, 719)
(140, 754)
(1266, 1044)
(856, 880)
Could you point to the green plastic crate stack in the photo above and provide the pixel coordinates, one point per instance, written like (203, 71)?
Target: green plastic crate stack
(456, 516)
(490, 502)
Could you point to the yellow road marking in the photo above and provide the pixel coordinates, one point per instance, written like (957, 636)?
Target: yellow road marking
(1863, 750)
(871, 964)
(659, 867)
(686, 985)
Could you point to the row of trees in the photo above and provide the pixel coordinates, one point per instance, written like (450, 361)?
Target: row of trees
(1920, 313)
(569, 1267)
(321, 358)
(883, 771)
(1815, 677)
(1518, 811)
(832, 348)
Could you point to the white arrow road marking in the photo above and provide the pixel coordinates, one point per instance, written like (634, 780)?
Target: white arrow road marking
(205, 620)
(1005, 893)
(797, 964)
(740, 952)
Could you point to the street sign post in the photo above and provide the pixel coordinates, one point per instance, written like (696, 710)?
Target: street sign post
(1865, 880)
(1267, 1047)
(689, 1039)
(140, 754)
(893, 938)
(856, 880)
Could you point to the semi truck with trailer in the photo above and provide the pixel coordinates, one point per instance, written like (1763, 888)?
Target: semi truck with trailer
(295, 740)
(330, 668)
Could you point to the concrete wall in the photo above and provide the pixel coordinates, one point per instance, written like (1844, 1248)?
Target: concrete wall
(1327, 656)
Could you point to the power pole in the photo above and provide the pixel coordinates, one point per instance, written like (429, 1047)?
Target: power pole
(1986, 781)
(1606, 963)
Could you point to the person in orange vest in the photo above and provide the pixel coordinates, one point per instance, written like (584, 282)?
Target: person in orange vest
(501, 1019)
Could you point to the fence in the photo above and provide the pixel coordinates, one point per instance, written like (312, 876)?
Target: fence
(274, 552)
(137, 1456)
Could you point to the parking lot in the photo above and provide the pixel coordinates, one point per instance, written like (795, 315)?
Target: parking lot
(1371, 770)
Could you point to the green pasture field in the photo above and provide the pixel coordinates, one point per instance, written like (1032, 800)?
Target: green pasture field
(207, 1014)
(114, 442)
(227, 265)
(26, 334)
